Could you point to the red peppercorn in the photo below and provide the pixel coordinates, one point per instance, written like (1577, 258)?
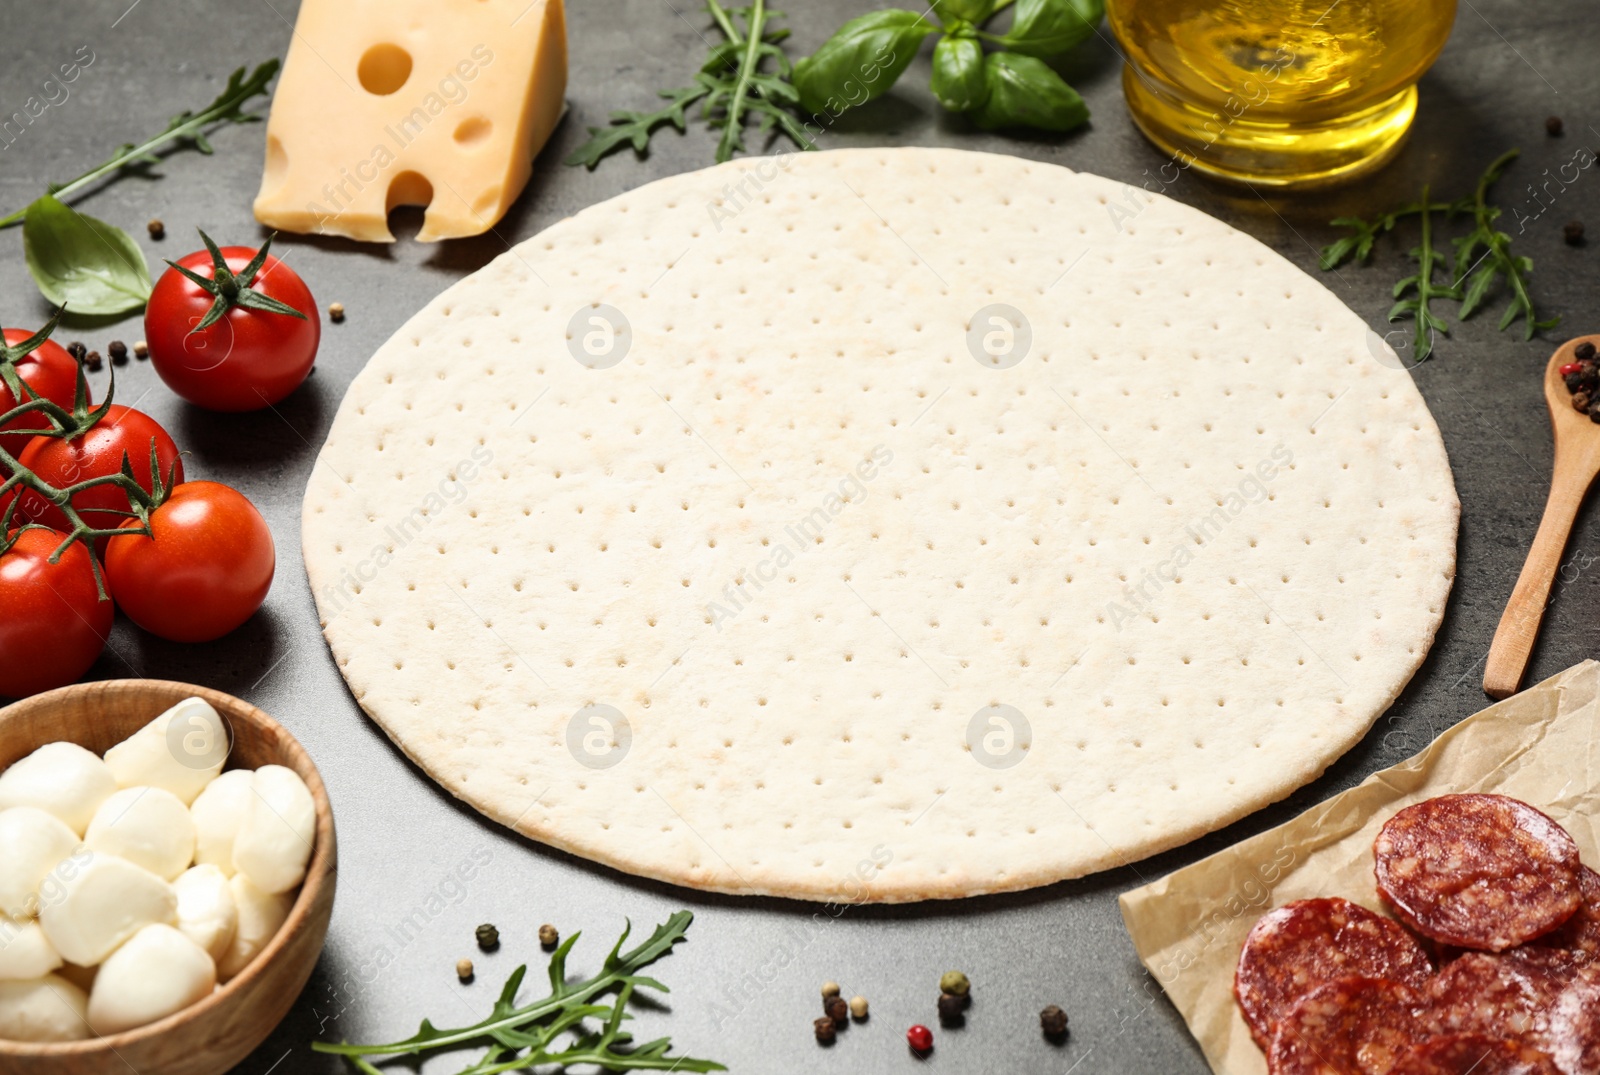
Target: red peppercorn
(1571, 367)
(920, 1038)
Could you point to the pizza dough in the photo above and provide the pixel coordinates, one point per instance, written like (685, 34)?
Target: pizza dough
(880, 525)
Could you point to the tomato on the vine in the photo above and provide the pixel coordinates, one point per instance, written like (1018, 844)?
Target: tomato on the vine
(205, 568)
(232, 329)
(49, 372)
(55, 623)
(95, 453)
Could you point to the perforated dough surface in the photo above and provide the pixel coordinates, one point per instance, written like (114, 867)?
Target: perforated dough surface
(1199, 537)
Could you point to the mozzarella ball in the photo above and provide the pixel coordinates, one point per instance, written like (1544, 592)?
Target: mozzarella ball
(274, 840)
(61, 779)
(206, 912)
(105, 901)
(158, 972)
(149, 827)
(32, 843)
(260, 915)
(25, 952)
(43, 1009)
(181, 751)
(218, 812)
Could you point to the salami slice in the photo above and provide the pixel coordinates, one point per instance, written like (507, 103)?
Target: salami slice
(1474, 1054)
(1301, 945)
(1480, 993)
(1353, 1026)
(1477, 871)
(1572, 1031)
(1577, 941)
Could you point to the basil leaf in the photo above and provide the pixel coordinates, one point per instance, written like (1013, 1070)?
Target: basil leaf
(83, 263)
(1051, 27)
(958, 81)
(1024, 92)
(973, 11)
(860, 61)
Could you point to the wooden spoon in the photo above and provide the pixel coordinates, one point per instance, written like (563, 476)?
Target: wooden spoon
(1577, 462)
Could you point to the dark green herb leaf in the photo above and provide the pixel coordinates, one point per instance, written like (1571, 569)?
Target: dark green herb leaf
(185, 126)
(973, 11)
(958, 79)
(1050, 27)
(635, 128)
(79, 261)
(529, 1036)
(1025, 92)
(860, 61)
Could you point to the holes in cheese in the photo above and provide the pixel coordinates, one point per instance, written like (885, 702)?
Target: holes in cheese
(384, 69)
(383, 105)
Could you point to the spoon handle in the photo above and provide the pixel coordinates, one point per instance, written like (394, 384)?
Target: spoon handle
(1519, 624)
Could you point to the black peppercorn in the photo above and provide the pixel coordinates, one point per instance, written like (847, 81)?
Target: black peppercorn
(118, 352)
(488, 937)
(1584, 352)
(77, 350)
(1574, 381)
(1580, 402)
(950, 1008)
(826, 1030)
(1594, 414)
(1572, 232)
(1553, 126)
(1053, 1021)
(92, 360)
(837, 1009)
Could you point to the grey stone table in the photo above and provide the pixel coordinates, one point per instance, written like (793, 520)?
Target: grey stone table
(745, 986)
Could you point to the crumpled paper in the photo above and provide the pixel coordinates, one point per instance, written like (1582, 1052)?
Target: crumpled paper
(1541, 746)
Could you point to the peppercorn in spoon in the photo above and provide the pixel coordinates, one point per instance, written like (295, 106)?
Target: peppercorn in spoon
(1577, 462)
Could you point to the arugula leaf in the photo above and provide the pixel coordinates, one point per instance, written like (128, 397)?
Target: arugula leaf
(1496, 260)
(1025, 92)
(1419, 306)
(527, 1036)
(79, 261)
(185, 126)
(861, 60)
(958, 78)
(1482, 256)
(1048, 28)
(733, 85)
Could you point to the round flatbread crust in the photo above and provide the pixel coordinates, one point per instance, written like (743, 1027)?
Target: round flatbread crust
(880, 525)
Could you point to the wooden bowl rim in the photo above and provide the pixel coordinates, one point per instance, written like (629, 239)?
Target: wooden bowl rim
(319, 871)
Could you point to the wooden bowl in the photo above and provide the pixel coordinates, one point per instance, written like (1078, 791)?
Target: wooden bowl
(209, 1037)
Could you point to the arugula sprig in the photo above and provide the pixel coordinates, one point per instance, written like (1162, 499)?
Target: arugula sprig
(733, 86)
(1007, 87)
(1482, 256)
(519, 1037)
(186, 126)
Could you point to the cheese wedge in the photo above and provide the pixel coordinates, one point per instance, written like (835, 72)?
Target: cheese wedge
(437, 103)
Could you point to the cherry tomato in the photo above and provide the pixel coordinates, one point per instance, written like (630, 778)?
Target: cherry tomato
(203, 572)
(55, 623)
(91, 454)
(251, 357)
(51, 373)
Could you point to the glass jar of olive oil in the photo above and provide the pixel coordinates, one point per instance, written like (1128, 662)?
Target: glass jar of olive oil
(1278, 92)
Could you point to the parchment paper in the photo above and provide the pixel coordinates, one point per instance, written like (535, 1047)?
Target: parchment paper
(1539, 746)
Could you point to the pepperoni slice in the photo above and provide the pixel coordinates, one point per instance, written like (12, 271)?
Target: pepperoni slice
(1480, 993)
(1477, 871)
(1301, 945)
(1577, 941)
(1353, 1026)
(1474, 1054)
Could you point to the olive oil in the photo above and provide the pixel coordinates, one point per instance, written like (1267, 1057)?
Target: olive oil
(1278, 92)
